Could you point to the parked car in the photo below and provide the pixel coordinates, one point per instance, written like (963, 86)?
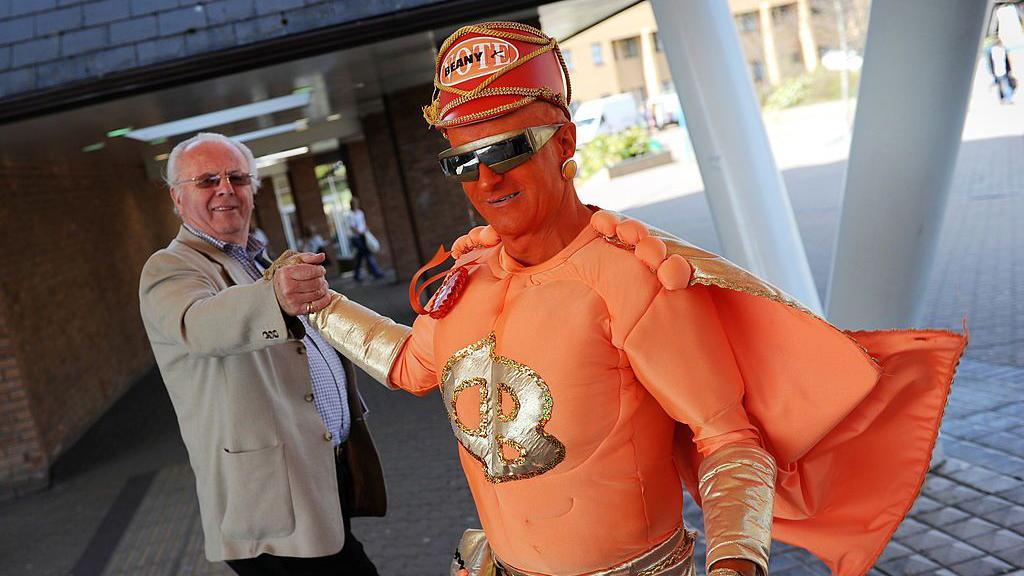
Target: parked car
(605, 116)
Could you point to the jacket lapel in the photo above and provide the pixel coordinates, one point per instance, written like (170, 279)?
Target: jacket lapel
(235, 271)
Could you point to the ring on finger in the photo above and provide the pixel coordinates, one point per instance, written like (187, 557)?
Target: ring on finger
(309, 308)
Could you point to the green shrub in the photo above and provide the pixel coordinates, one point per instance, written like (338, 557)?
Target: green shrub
(609, 149)
(819, 86)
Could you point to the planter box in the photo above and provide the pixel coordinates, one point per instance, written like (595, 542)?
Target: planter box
(638, 163)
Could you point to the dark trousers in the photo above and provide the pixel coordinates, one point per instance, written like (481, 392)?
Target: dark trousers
(351, 560)
(363, 254)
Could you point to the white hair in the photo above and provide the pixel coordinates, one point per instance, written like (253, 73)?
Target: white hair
(173, 158)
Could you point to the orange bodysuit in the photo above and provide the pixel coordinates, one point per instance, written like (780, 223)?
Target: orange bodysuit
(586, 362)
(584, 389)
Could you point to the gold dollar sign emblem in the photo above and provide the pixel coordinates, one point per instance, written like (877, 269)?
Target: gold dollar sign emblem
(512, 444)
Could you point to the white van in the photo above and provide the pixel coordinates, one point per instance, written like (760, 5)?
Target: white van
(605, 116)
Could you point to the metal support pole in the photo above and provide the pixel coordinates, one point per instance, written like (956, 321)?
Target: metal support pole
(749, 204)
(918, 66)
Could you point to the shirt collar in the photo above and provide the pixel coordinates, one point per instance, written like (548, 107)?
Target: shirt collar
(253, 246)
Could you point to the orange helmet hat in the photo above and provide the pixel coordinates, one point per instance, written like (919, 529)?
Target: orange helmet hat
(490, 69)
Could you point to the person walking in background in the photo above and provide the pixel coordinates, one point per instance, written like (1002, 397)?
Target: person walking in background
(999, 64)
(358, 233)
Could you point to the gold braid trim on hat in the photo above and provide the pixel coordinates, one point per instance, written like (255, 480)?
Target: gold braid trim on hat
(433, 115)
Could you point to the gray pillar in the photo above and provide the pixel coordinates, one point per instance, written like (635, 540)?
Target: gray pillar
(749, 204)
(919, 63)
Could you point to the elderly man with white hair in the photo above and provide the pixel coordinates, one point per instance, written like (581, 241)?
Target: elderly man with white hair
(268, 411)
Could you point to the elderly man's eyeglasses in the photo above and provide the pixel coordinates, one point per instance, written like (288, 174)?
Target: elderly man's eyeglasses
(500, 152)
(236, 179)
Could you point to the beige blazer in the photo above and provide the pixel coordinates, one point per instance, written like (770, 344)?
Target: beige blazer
(240, 385)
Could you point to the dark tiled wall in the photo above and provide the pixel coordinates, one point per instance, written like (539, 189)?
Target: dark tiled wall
(48, 43)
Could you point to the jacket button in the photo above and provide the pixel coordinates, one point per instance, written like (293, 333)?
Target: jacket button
(301, 350)
(328, 436)
(309, 397)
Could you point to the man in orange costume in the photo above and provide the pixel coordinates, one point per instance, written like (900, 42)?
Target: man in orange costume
(591, 366)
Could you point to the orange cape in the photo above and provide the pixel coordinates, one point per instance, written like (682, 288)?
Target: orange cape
(850, 417)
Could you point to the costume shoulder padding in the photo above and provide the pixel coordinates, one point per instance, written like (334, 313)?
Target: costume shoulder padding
(475, 239)
(673, 271)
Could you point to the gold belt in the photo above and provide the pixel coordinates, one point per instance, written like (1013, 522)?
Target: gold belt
(673, 557)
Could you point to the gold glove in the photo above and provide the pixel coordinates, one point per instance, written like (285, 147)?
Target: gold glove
(369, 340)
(737, 486)
(288, 258)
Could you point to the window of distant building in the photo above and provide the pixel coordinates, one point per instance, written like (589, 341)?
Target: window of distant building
(567, 56)
(657, 43)
(595, 53)
(746, 22)
(626, 48)
(781, 13)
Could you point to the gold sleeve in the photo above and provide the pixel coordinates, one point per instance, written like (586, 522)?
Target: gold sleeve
(737, 487)
(369, 340)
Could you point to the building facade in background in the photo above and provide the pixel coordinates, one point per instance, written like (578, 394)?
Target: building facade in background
(781, 39)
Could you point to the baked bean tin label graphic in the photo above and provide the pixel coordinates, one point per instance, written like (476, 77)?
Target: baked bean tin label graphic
(476, 57)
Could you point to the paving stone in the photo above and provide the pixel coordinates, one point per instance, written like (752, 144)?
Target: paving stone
(1012, 556)
(894, 550)
(943, 516)
(987, 566)
(927, 540)
(984, 504)
(985, 480)
(970, 528)
(935, 483)
(957, 494)
(998, 540)
(778, 562)
(954, 553)
(1015, 495)
(1006, 464)
(924, 504)
(1010, 516)
(910, 527)
(909, 565)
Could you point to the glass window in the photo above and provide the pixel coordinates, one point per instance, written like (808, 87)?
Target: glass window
(781, 13)
(746, 22)
(657, 43)
(567, 56)
(595, 53)
(626, 48)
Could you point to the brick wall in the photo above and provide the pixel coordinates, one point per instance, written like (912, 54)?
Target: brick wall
(309, 206)
(77, 231)
(268, 217)
(360, 180)
(440, 207)
(22, 459)
(388, 183)
(47, 43)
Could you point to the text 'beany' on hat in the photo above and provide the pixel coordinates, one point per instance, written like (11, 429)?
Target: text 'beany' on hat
(490, 69)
